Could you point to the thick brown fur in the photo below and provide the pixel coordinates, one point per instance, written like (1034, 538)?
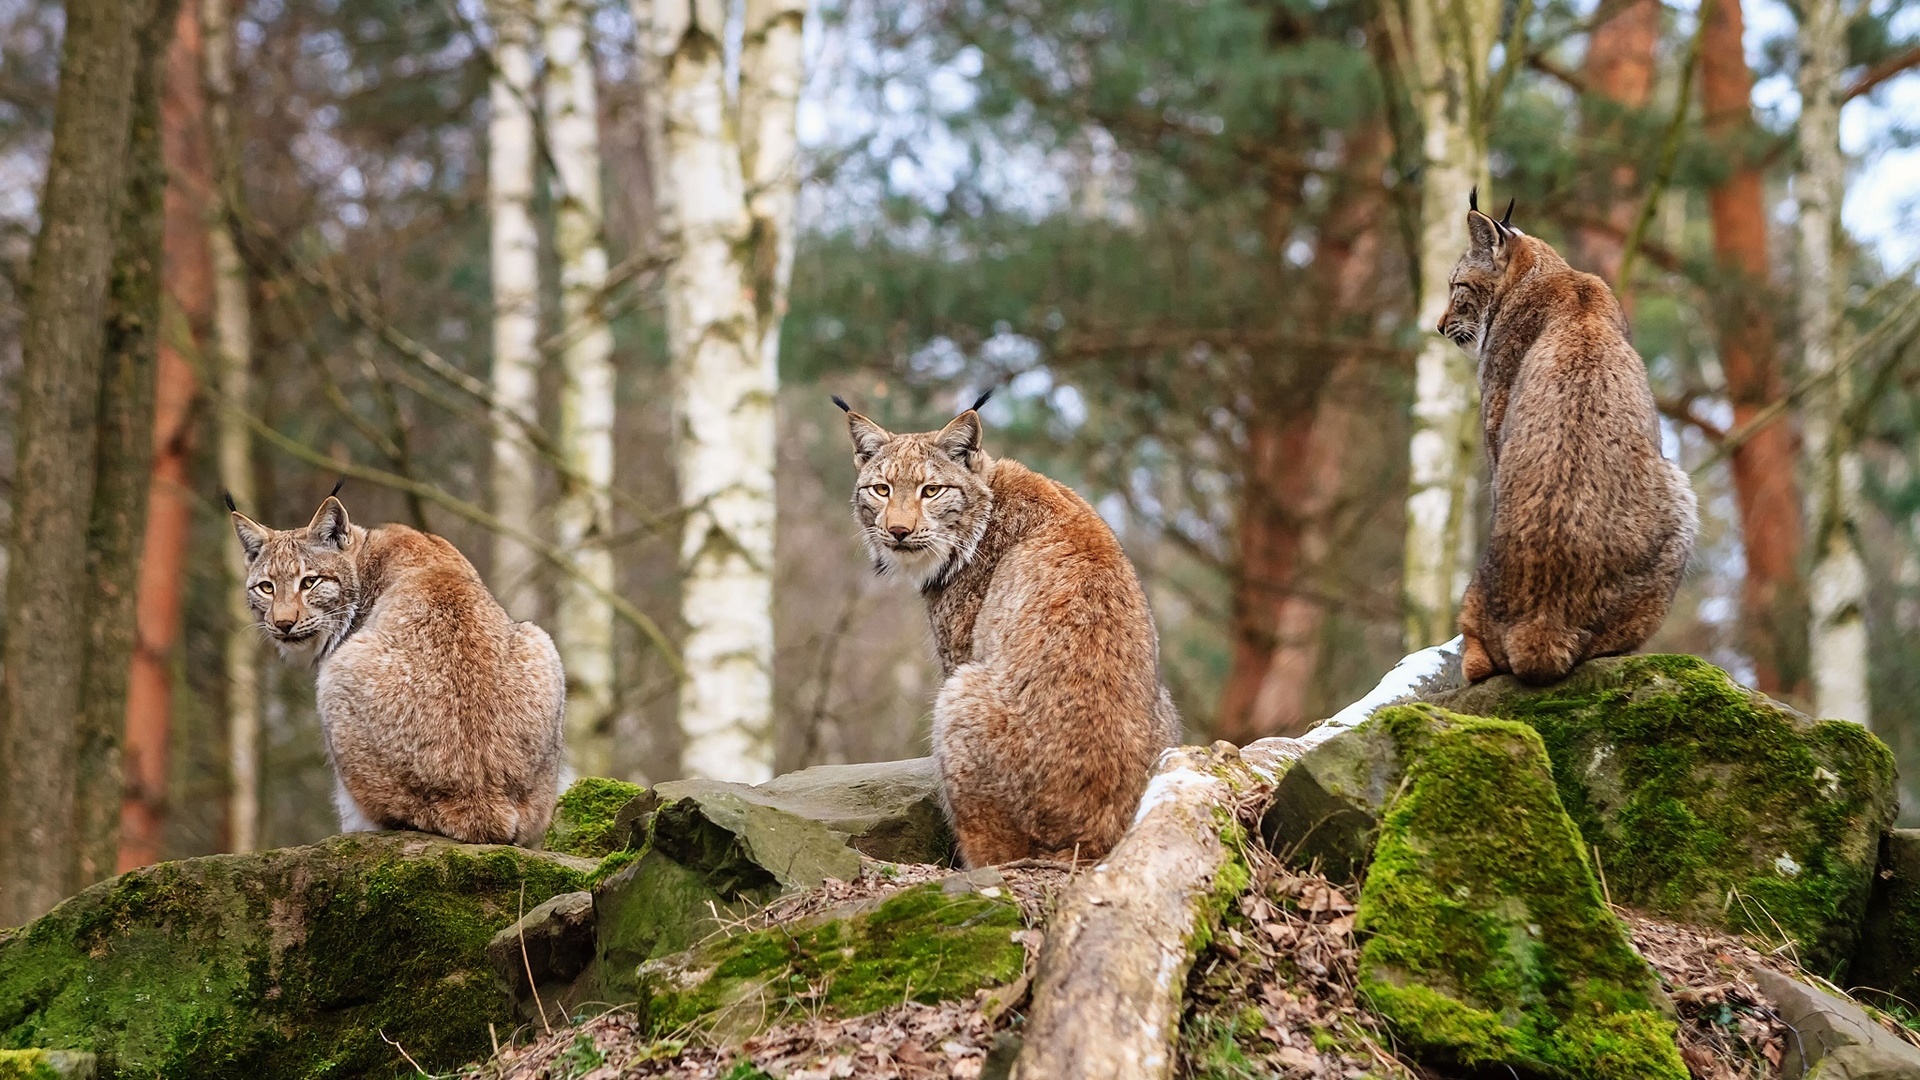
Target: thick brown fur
(1052, 713)
(1592, 527)
(439, 712)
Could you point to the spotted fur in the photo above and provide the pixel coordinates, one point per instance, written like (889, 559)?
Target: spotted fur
(1592, 527)
(439, 712)
(1051, 713)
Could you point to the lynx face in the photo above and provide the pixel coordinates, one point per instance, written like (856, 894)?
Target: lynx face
(1476, 280)
(921, 500)
(303, 584)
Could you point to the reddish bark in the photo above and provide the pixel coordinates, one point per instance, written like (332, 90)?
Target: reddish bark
(1765, 486)
(1296, 469)
(188, 273)
(1619, 78)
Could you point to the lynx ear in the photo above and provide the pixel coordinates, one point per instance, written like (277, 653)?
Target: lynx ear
(960, 440)
(253, 535)
(329, 525)
(868, 437)
(1485, 238)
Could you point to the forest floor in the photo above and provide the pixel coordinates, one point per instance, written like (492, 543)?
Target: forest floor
(1274, 995)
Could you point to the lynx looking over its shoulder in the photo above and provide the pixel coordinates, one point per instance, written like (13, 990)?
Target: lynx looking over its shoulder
(1051, 714)
(1592, 527)
(440, 713)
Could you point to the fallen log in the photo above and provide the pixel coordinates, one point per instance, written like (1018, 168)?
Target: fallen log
(1109, 991)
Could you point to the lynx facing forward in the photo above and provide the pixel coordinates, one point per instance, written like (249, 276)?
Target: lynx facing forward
(1052, 713)
(440, 713)
(1591, 525)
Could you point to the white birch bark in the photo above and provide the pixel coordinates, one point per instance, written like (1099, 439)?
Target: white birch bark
(1443, 50)
(583, 519)
(731, 199)
(1838, 582)
(233, 375)
(515, 264)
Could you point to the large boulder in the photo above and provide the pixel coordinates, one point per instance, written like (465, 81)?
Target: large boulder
(1488, 945)
(323, 960)
(1709, 802)
(1834, 1039)
(929, 943)
(1888, 959)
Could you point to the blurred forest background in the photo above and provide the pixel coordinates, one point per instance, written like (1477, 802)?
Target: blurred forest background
(450, 250)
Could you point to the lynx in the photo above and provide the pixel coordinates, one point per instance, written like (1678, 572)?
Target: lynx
(1592, 527)
(439, 712)
(1051, 713)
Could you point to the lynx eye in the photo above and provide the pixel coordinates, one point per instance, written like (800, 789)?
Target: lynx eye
(265, 588)
(881, 490)
(931, 490)
(308, 582)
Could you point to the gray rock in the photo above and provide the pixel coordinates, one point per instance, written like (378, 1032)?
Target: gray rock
(1327, 807)
(554, 943)
(1834, 1039)
(889, 809)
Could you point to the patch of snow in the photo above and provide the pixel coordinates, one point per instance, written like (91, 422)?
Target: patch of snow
(1406, 679)
(1786, 865)
(1165, 786)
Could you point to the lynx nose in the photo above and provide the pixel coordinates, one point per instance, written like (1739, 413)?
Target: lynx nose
(899, 532)
(284, 625)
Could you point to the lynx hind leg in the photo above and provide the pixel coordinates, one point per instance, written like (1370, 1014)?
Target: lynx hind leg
(1542, 649)
(968, 719)
(473, 819)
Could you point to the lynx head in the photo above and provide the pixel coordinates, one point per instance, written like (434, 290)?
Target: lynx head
(922, 500)
(1478, 276)
(303, 584)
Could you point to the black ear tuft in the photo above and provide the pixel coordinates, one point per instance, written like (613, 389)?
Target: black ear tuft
(337, 485)
(981, 400)
(1508, 216)
(842, 402)
(1473, 198)
(227, 497)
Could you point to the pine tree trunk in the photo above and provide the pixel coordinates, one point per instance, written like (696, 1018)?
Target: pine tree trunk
(1837, 585)
(725, 294)
(1765, 487)
(1443, 52)
(516, 302)
(1619, 77)
(583, 520)
(62, 349)
(188, 272)
(233, 368)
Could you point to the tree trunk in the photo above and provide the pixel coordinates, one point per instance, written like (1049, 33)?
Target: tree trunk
(188, 272)
(233, 367)
(725, 295)
(516, 302)
(1108, 993)
(1765, 487)
(1619, 78)
(1299, 456)
(583, 520)
(1443, 52)
(62, 348)
(1837, 585)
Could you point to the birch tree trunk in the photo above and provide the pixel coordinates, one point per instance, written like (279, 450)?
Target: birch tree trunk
(515, 265)
(233, 374)
(1443, 50)
(583, 520)
(62, 342)
(731, 197)
(1837, 584)
(188, 271)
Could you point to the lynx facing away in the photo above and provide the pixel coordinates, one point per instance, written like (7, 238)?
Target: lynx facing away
(1051, 714)
(439, 712)
(1591, 525)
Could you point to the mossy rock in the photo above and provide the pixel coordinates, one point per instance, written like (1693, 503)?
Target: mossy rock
(46, 1065)
(1887, 962)
(1709, 802)
(586, 821)
(1488, 944)
(1326, 807)
(286, 963)
(930, 943)
(888, 810)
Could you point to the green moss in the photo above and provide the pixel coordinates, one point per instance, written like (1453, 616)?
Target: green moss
(1709, 802)
(26, 1065)
(920, 944)
(1487, 939)
(282, 963)
(583, 822)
